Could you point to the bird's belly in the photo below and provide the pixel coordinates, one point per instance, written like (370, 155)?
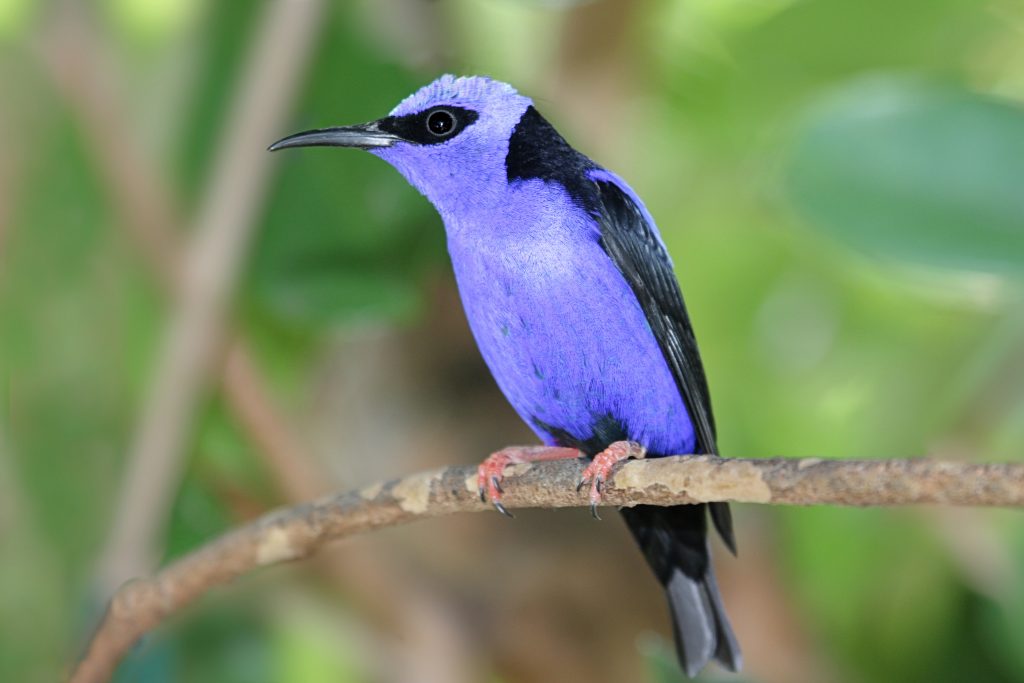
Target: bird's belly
(570, 347)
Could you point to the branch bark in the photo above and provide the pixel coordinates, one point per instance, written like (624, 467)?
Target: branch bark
(296, 532)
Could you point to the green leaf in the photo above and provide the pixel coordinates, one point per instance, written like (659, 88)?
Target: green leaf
(923, 173)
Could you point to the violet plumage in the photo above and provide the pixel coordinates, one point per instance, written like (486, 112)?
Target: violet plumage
(572, 299)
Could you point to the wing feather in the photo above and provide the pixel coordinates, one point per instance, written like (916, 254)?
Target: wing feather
(631, 241)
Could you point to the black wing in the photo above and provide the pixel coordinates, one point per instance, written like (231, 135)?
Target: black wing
(630, 241)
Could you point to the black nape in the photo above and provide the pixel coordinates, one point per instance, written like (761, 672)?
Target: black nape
(536, 150)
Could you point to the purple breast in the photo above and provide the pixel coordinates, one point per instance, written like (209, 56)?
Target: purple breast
(559, 326)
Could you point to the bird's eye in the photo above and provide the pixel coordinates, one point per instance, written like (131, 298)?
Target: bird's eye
(440, 122)
(434, 126)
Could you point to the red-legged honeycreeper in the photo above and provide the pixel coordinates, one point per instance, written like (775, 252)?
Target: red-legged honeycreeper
(571, 296)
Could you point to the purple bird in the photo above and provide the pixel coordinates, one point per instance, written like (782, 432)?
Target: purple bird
(572, 299)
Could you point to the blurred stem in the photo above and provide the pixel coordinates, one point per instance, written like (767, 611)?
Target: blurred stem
(986, 373)
(213, 260)
(977, 394)
(248, 395)
(149, 213)
(596, 71)
(196, 332)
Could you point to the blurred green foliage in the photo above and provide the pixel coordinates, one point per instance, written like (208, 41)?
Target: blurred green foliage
(917, 173)
(841, 183)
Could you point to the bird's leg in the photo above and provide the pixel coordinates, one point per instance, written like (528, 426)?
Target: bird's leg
(601, 466)
(491, 471)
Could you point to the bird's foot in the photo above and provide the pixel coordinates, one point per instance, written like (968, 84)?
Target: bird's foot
(491, 471)
(601, 466)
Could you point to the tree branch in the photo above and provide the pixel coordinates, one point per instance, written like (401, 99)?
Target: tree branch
(296, 532)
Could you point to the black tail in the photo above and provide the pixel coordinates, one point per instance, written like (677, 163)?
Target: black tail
(674, 541)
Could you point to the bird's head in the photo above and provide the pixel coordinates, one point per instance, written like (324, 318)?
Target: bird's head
(449, 139)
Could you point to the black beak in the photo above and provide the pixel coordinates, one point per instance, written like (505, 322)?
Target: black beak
(362, 136)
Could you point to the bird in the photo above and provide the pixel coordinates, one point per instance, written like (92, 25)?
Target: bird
(573, 301)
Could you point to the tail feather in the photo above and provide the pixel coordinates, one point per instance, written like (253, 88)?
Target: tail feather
(722, 518)
(674, 541)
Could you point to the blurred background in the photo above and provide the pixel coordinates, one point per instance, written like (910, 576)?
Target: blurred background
(193, 331)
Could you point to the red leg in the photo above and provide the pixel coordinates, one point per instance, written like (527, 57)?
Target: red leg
(601, 466)
(491, 471)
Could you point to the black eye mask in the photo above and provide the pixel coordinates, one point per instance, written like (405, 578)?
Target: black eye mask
(430, 127)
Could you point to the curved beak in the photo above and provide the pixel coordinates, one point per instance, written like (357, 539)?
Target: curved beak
(362, 136)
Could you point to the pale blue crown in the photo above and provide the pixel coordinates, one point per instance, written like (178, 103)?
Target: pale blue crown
(462, 91)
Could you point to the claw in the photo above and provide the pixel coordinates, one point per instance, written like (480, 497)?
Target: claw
(501, 508)
(490, 472)
(601, 466)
